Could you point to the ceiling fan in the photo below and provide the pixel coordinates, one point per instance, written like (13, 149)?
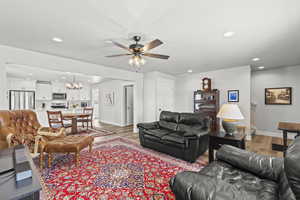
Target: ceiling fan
(138, 50)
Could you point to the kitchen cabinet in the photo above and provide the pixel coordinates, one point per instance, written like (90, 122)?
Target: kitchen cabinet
(79, 95)
(73, 95)
(85, 93)
(43, 91)
(58, 87)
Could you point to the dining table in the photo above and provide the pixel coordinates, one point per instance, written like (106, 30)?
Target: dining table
(74, 118)
(286, 127)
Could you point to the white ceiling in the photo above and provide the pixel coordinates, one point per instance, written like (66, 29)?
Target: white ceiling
(33, 73)
(192, 31)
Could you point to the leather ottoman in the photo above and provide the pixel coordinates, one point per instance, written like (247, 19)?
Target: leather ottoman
(68, 144)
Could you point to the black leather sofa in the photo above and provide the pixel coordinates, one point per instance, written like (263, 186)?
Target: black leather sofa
(242, 175)
(182, 135)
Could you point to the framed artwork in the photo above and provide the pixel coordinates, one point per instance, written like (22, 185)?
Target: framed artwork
(233, 96)
(109, 98)
(278, 96)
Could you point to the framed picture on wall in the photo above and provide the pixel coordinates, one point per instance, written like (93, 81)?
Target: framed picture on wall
(233, 96)
(109, 98)
(278, 96)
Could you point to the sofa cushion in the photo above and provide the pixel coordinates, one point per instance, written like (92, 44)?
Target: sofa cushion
(169, 116)
(169, 120)
(175, 139)
(168, 125)
(193, 118)
(156, 134)
(254, 187)
(190, 128)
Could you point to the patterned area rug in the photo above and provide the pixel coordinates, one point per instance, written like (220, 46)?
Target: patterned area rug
(96, 132)
(116, 169)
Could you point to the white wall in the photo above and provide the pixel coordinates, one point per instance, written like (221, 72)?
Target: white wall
(41, 60)
(237, 78)
(159, 94)
(20, 84)
(113, 114)
(266, 117)
(3, 87)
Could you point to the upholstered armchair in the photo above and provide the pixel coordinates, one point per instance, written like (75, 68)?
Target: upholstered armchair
(22, 127)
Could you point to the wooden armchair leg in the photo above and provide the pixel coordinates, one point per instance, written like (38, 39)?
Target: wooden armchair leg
(41, 160)
(90, 147)
(77, 159)
(50, 157)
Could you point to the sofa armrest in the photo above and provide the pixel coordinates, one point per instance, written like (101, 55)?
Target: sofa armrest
(195, 186)
(195, 134)
(4, 132)
(261, 165)
(148, 126)
(6, 135)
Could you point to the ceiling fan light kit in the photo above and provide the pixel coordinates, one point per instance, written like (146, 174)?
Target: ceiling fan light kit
(138, 51)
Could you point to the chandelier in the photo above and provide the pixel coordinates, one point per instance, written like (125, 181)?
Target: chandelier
(137, 61)
(74, 85)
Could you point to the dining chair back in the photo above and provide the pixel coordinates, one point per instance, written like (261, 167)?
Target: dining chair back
(88, 119)
(55, 119)
(89, 111)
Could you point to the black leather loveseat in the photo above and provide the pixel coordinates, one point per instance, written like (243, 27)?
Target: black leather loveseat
(182, 135)
(242, 175)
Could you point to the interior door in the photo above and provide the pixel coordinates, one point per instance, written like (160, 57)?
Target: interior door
(95, 102)
(129, 104)
(165, 95)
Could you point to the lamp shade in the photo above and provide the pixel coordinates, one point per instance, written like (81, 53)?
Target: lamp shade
(230, 111)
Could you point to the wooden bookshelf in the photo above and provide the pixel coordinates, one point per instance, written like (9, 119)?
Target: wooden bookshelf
(208, 102)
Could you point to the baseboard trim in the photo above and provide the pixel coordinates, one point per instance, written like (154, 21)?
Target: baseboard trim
(273, 134)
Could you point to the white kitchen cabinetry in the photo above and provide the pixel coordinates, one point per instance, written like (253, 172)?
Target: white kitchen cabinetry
(73, 95)
(79, 95)
(58, 87)
(43, 91)
(85, 93)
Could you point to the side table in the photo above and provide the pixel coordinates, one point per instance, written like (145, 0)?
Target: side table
(219, 138)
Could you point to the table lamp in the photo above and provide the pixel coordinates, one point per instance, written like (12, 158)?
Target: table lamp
(231, 114)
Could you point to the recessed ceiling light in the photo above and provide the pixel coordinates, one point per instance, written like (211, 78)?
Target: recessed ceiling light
(30, 74)
(189, 71)
(229, 34)
(255, 59)
(57, 39)
(261, 67)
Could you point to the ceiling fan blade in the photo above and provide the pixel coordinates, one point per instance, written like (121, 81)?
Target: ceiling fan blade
(152, 45)
(121, 46)
(117, 55)
(153, 55)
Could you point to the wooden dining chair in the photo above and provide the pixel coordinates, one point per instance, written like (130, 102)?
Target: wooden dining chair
(56, 121)
(89, 119)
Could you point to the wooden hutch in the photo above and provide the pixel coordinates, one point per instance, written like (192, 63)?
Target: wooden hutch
(207, 101)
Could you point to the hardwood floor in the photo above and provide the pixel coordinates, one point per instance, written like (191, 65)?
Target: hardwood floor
(259, 144)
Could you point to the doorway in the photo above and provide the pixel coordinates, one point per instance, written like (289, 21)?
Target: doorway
(128, 104)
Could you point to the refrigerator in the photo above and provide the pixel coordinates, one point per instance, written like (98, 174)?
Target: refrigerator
(21, 100)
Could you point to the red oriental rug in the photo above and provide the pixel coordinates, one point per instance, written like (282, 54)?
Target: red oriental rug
(95, 132)
(115, 169)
